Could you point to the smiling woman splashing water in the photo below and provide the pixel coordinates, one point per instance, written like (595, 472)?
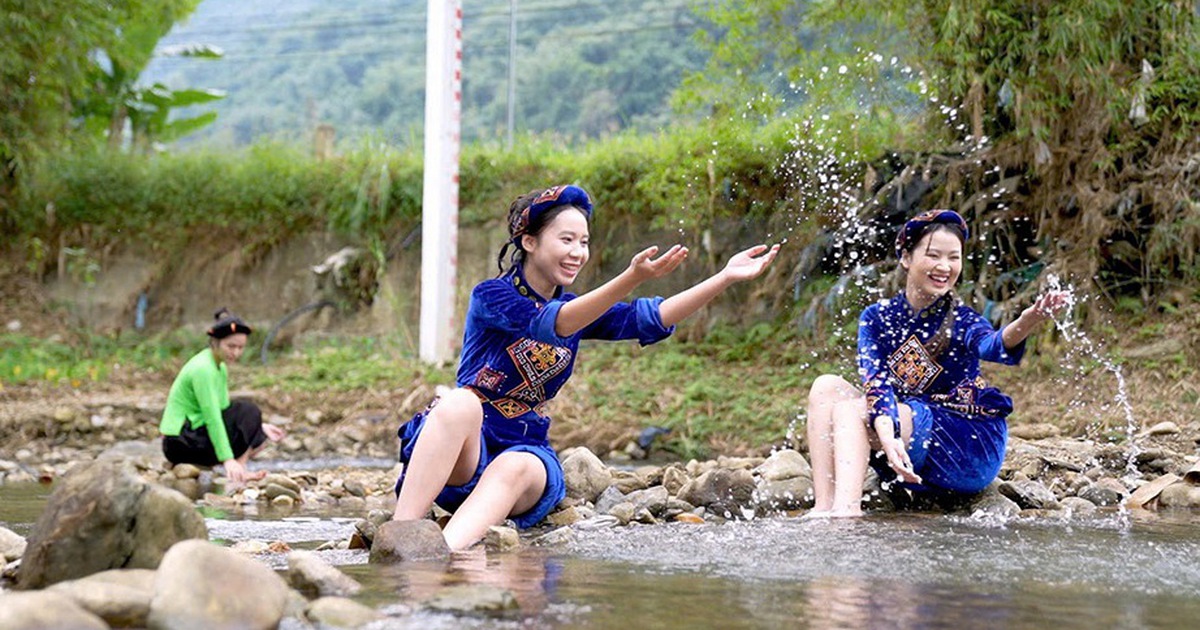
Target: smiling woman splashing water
(931, 420)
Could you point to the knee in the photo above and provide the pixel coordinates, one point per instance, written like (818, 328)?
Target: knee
(518, 470)
(827, 388)
(459, 407)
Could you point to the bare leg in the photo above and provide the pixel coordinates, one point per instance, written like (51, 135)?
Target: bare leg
(511, 484)
(447, 452)
(851, 450)
(826, 392)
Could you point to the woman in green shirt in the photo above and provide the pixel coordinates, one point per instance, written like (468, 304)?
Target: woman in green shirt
(200, 426)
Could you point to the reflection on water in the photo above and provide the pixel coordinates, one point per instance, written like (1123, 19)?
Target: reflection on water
(899, 571)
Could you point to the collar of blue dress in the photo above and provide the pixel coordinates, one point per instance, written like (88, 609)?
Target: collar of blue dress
(517, 277)
(938, 307)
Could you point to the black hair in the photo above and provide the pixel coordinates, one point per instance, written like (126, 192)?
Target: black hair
(516, 256)
(940, 340)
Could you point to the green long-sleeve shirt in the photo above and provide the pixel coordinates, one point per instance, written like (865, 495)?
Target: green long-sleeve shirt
(198, 395)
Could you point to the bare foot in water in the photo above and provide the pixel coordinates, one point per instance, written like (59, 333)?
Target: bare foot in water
(846, 514)
(812, 515)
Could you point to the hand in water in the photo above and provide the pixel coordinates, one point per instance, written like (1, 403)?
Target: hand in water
(238, 474)
(898, 459)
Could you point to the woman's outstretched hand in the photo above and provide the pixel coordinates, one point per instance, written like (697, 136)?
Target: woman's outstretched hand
(1049, 305)
(646, 267)
(749, 263)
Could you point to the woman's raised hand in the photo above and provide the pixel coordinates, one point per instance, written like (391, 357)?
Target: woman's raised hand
(1050, 304)
(748, 263)
(646, 267)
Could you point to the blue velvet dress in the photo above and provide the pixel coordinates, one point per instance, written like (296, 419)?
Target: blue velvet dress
(959, 422)
(515, 363)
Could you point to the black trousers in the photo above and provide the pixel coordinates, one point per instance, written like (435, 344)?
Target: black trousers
(243, 424)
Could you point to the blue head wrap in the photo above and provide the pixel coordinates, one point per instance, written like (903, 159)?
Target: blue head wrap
(916, 226)
(567, 195)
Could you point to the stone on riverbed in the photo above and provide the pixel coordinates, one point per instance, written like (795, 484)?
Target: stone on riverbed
(784, 464)
(314, 577)
(45, 609)
(785, 494)
(472, 598)
(501, 539)
(1029, 494)
(585, 475)
(102, 516)
(724, 492)
(1107, 491)
(401, 541)
(339, 612)
(121, 597)
(201, 585)
(12, 545)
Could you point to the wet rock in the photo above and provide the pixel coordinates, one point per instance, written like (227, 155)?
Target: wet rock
(739, 463)
(1180, 494)
(722, 491)
(674, 478)
(628, 481)
(784, 464)
(355, 488)
(1149, 492)
(120, 597)
(202, 585)
(274, 490)
(1076, 506)
(339, 612)
(652, 475)
(585, 475)
(45, 609)
(471, 598)
(12, 545)
(1105, 492)
(785, 494)
(185, 471)
(1162, 428)
(991, 502)
(602, 521)
(314, 577)
(623, 512)
(688, 517)
(1029, 494)
(653, 499)
(102, 516)
(401, 541)
(607, 499)
(283, 500)
(555, 538)
(282, 481)
(567, 516)
(501, 539)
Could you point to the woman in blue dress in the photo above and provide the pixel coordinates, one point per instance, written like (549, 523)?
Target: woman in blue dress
(481, 450)
(926, 411)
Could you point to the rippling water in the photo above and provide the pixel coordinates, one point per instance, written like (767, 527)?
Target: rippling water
(895, 571)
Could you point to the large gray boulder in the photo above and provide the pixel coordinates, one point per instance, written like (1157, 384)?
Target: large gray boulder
(784, 464)
(402, 541)
(45, 609)
(102, 516)
(202, 586)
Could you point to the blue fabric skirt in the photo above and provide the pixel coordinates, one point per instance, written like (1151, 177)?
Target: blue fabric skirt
(951, 451)
(494, 440)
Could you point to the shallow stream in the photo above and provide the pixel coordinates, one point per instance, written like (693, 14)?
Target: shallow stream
(895, 571)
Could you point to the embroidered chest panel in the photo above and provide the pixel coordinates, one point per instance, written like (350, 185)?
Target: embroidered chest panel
(913, 366)
(536, 364)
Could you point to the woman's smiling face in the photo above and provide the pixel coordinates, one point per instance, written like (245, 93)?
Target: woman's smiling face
(556, 255)
(933, 266)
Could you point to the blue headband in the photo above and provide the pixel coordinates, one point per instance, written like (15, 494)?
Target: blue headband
(568, 195)
(916, 226)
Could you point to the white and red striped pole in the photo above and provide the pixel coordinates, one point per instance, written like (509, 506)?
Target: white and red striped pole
(439, 212)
